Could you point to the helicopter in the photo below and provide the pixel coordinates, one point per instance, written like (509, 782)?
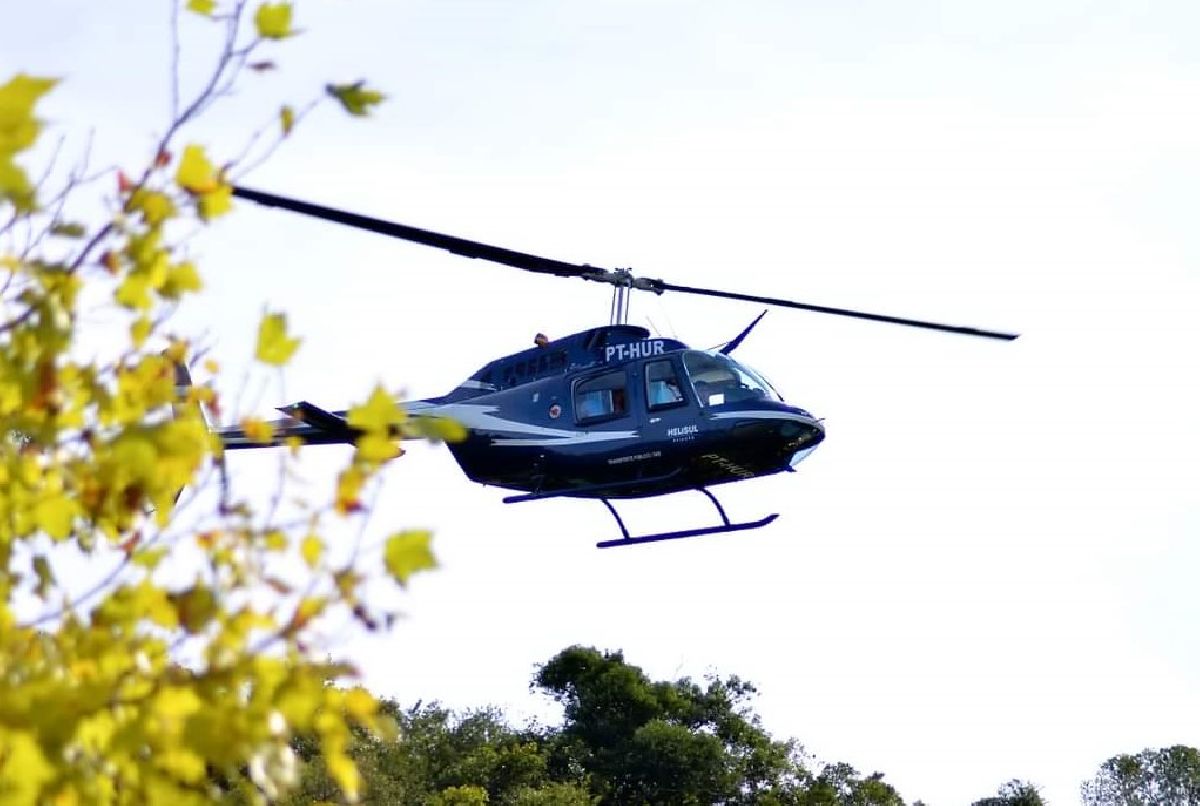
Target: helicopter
(607, 413)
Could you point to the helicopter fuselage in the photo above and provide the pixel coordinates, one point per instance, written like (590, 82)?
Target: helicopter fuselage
(606, 413)
(646, 417)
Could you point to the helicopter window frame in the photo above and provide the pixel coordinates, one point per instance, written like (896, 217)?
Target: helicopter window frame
(681, 400)
(614, 406)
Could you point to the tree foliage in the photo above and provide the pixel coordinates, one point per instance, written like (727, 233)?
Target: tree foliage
(1168, 776)
(662, 742)
(624, 739)
(182, 671)
(1014, 793)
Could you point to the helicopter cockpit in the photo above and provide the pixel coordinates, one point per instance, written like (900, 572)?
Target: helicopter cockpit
(719, 379)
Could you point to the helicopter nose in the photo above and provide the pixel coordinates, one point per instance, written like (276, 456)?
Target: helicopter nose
(803, 435)
(803, 430)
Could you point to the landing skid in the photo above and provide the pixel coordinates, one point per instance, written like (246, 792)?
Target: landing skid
(626, 540)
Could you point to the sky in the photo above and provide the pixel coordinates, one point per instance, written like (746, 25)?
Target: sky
(985, 572)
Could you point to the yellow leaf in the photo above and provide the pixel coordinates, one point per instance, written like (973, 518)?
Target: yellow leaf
(205, 7)
(148, 558)
(139, 331)
(374, 448)
(378, 414)
(196, 174)
(342, 770)
(361, 705)
(18, 128)
(257, 430)
(287, 120)
(183, 764)
(309, 608)
(355, 98)
(176, 353)
(406, 553)
(438, 428)
(274, 346)
(216, 202)
(274, 20)
(55, 515)
(311, 548)
(176, 702)
(155, 206)
(181, 278)
(134, 292)
(349, 484)
(25, 769)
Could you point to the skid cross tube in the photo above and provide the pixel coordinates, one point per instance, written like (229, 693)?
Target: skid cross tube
(626, 540)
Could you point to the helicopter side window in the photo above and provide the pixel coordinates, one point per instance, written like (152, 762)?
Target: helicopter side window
(601, 398)
(663, 389)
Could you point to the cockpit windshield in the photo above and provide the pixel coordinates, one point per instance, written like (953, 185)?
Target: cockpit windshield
(719, 379)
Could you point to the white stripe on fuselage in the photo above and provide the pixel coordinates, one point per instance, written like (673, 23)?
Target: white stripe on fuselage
(763, 414)
(480, 417)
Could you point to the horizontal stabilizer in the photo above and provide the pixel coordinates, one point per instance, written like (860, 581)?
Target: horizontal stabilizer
(311, 424)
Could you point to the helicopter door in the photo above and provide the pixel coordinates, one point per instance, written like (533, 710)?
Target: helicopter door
(664, 389)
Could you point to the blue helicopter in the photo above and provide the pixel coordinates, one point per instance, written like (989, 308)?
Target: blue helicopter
(607, 413)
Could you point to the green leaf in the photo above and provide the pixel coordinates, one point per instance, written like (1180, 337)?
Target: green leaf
(274, 346)
(407, 553)
(68, 229)
(274, 20)
(45, 577)
(15, 187)
(355, 98)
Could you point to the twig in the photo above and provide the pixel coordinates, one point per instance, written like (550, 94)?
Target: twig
(175, 51)
(279, 138)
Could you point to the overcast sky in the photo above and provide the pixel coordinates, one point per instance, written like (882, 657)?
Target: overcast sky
(986, 571)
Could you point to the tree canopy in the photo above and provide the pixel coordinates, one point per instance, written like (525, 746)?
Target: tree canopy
(624, 739)
(1014, 793)
(1168, 776)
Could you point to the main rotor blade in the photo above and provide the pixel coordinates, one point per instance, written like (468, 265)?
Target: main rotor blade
(804, 306)
(559, 268)
(459, 246)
